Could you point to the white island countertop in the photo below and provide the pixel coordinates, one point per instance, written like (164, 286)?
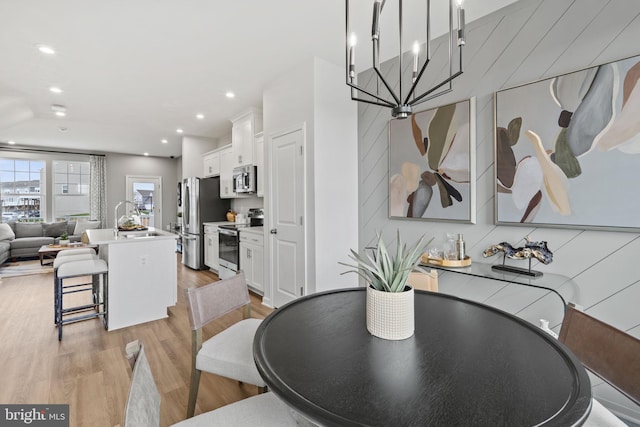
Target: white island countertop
(142, 279)
(106, 236)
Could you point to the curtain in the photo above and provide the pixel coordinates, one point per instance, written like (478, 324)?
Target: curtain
(98, 189)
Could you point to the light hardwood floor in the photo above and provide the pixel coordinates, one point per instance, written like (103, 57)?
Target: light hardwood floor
(88, 370)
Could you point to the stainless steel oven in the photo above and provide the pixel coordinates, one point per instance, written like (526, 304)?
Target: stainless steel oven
(229, 251)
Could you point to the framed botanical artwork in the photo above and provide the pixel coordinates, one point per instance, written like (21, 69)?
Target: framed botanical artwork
(432, 164)
(567, 150)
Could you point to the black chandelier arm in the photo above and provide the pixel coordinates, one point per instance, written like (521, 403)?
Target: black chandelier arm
(433, 89)
(381, 100)
(435, 95)
(415, 83)
(368, 101)
(395, 97)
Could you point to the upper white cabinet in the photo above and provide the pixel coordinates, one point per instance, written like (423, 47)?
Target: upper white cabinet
(260, 164)
(211, 162)
(226, 172)
(245, 126)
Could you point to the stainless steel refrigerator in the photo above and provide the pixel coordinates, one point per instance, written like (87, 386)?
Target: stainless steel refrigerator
(201, 203)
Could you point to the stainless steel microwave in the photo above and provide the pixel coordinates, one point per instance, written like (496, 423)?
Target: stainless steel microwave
(244, 179)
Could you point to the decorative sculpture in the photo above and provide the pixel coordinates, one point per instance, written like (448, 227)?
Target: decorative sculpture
(537, 250)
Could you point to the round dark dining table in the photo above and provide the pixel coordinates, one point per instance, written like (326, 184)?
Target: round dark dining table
(467, 364)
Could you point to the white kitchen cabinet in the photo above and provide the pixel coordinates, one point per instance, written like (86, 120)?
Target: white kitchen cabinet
(211, 247)
(260, 164)
(211, 162)
(245, 126)
(226, 173)
(252, 259)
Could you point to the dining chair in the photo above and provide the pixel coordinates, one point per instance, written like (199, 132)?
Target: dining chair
(143, 404)
(230, 352)
(609, 353)
(424, 280)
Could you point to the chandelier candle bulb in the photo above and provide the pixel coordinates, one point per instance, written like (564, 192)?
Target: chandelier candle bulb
(416, 54)
(352, 54)
(461, 41)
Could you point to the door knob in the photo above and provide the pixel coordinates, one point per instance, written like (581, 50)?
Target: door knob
(274, 231)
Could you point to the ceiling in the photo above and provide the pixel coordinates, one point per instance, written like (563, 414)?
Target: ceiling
(132, 72)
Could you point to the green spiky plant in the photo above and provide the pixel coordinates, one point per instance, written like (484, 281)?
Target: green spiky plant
(384, 272)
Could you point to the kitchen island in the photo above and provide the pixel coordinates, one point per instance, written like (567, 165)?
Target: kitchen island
(143, 277)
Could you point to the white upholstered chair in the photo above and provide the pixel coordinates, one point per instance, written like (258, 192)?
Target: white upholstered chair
(230, 352)
(609, 353)
(143, 404)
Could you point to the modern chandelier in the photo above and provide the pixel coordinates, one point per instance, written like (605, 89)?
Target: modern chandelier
(402, 105)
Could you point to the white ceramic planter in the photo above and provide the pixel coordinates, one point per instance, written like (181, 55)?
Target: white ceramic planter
(63, 242)
(390, 315)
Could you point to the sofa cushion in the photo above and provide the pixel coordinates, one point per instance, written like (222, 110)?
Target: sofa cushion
(82, 226)
(28, 229)
(31, 242)
(6, 232)
(54, 229)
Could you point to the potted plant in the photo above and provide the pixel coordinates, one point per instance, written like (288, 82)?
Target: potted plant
(390, 310)
(64, 239)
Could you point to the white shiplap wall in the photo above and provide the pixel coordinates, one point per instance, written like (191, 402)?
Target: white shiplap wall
(526, 41)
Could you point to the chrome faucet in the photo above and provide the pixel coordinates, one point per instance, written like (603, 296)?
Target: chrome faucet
(115, 212)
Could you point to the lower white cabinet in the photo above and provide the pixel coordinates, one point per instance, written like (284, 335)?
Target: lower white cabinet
(252, 259)
(211, 247)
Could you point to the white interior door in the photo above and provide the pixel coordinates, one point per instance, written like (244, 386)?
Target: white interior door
(146, 193)
(287, 222)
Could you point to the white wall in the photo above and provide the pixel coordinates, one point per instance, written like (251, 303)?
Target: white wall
(335, 192)
(120, 165)
(193, 148)
(312, 94)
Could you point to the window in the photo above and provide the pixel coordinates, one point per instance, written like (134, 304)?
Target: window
(71, 189)
(21, 182)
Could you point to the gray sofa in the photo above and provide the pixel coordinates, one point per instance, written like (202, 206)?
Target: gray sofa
(30, 236)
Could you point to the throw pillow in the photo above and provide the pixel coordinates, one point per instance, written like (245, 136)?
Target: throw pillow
(82, 226)
(6, 233)
(54, 229)
(28, 229)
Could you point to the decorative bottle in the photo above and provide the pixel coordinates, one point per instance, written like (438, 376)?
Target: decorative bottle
(460, 247)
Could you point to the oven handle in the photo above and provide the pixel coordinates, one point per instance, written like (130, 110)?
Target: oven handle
(227, 232)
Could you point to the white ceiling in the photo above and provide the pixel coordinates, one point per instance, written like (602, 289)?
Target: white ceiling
(133, 71)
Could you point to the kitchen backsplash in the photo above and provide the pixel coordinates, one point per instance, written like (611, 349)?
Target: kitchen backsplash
(244, 204)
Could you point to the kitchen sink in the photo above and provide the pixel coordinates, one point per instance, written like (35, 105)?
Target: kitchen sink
(136, 234)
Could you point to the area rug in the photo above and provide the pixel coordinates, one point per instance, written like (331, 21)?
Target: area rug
(24, 268)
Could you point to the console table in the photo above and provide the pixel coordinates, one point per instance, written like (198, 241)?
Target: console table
(548, 281)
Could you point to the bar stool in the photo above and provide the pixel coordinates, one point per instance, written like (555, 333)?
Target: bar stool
(97, 268)
(63, 257)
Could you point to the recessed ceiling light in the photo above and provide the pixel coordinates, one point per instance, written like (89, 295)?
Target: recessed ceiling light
(179, 130)
(11, 142)
(146, 154)
(55, 89)
(199, 116)
(164, 141)
(59, 110)
(46, 49)
(230, 95)
(63, 129)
